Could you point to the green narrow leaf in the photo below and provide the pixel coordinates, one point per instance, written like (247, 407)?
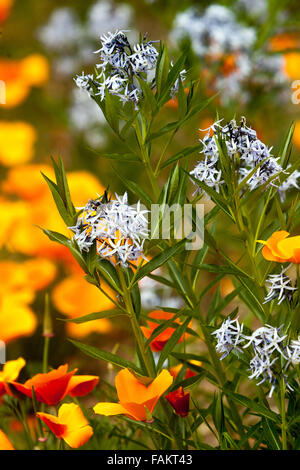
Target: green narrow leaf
(168, 348)
(253, 406)
(271, 434)
(105, 356)
(96, 316)
(106, 269)
(159, 260)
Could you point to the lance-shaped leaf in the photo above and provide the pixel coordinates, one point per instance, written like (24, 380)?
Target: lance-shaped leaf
(168, 348)
(158, 261)
(105, 356)
(116, 312)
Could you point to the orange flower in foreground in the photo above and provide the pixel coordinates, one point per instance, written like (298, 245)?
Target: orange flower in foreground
(135, 398)
(159, 342)
(80, 385)
(5, 444)
(49, 388)
(70, 425)
(17, 140)
(180, 400)
(282, 248)
(5, 7)
(9, 373)
(20, 76)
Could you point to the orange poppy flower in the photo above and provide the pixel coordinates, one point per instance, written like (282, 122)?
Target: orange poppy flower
(5, 444)
(15, 296)
(135, 397)
(180, 401)
(5, 7)
(282, 248)
(23, 322)
(81, 385)
(9, 373)
(49, 388)
(20, 76)
(22, 234)
(283, 41)
(75, 297)
(160, 341)
(18, 140)
(70, 425)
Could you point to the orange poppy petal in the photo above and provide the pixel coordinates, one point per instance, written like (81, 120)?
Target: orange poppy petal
(53, 424)
(159, 385)
(5, 444)
(289, 246)
(129, 388)
(81, 385)
(79, 437)
(109, 409)
(11, 369)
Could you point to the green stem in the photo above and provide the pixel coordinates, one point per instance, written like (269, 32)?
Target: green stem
(282, 412)
(134, 324)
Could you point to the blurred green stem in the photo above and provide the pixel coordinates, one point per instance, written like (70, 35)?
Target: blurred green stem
(134, 323)
(282, 412)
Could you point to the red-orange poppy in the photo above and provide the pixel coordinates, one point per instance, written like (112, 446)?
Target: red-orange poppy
(180, 400)
(160, 341)
(80, 385)
(70, 425)
(5, 7)
(49, 388)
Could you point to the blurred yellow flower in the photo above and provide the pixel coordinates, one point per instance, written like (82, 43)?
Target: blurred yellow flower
(75, 297)
(16, 317)
(20, 75)
(12, 212)
(10, 373)
(26, 182)
(17, 142)
(19, 281)
(296, 136)
(292, 65)
(5, 444)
